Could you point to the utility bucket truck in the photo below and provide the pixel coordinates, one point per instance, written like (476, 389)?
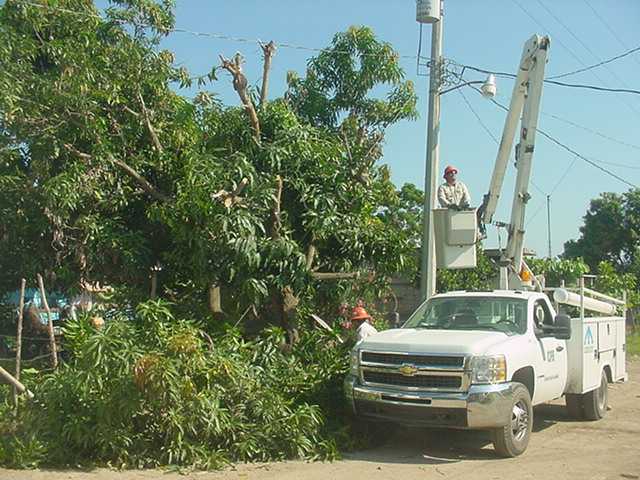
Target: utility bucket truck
(482, 360)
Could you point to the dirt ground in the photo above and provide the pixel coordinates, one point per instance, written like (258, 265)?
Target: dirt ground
(559, 447)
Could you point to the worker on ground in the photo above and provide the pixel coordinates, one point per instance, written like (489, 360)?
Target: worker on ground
(360, 321)
(453, 193)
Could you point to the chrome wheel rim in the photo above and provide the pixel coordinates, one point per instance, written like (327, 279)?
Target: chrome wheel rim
(519, 421)
(602, 394)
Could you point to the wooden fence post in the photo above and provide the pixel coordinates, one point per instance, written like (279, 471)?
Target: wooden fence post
(52, 338)
(23, 284)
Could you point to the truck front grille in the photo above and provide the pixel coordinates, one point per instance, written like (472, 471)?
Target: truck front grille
(420, 381)
(415, 371)
(417, 360)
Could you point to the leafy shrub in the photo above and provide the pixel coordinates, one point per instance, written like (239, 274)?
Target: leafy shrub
(156, 390)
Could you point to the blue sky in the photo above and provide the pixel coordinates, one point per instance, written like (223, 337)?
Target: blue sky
(489, 34)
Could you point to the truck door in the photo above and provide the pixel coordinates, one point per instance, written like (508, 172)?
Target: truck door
(551, 371)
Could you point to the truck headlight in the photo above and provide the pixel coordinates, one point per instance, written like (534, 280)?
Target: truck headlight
(354, 362)
(488, 369)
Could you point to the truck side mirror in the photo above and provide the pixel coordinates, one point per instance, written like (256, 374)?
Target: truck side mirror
(562, 327)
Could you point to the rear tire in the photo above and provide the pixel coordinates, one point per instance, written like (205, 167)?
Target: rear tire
(512, 439)
(595, 402)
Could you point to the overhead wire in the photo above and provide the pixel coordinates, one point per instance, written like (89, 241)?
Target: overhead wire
(611, 30)
(596, 65)
(482, 70)
(489, 132)
(555, 82)
(495, 139)
(581, 62)
(221, 36)
(217, 36)
(571, 150)
(582, 43)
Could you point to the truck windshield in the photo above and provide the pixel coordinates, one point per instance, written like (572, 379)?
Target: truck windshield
(503, 314)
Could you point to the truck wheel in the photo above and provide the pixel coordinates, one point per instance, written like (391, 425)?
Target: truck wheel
(596, 401)
(512, 439)
(575, 407)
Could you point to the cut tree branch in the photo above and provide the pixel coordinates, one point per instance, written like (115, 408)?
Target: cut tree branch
(234, 67)
(142, 182)
(268, 51)
(147, 120)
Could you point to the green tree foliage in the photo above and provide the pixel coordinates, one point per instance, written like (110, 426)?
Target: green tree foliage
(106, 171)
(156, 390)
(556, 270)
(611, 231)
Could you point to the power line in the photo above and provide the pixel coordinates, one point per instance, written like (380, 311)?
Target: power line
(590, 130)
(600, 17)
(489, 132)
(221, 36)
(475, 114)
(595, 65)
(594, 132)
(631, 107)
(217, 36)
(555, 82)
(582, 43)
(572, 151)
(563, 176)
(555, 187)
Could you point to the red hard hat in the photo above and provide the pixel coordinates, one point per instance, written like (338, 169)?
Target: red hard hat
(359, 313)
(450, 169)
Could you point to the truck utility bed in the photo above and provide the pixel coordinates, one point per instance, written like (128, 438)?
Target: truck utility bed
(597, 343)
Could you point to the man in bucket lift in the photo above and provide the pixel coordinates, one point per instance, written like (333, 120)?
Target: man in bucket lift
(453, 193)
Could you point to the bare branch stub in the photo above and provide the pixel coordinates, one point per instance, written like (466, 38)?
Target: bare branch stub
(234, 67)
(229, 199)
(268, 50)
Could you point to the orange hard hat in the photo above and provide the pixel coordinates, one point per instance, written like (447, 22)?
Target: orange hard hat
(449, 170)
(359, 313)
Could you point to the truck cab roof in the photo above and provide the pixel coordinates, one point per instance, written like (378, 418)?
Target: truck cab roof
(492, 293)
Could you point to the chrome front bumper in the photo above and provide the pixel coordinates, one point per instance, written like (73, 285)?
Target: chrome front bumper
(483, 406)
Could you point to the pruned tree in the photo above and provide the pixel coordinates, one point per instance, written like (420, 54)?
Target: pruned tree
(107, 172)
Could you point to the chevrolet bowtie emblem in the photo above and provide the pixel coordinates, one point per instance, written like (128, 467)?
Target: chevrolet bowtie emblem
(408, 370)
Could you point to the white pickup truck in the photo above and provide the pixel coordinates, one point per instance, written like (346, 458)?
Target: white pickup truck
(482, 360)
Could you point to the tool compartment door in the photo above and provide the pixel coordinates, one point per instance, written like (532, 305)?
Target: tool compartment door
(590, 365)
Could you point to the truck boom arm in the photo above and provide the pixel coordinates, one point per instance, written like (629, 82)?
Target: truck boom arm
(525, 102)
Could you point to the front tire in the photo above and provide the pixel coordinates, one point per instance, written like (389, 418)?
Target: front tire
(512, 439)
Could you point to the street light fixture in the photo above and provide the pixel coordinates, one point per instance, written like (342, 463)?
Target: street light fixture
(488, 88)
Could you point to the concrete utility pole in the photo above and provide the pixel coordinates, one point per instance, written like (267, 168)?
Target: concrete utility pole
(428, 252)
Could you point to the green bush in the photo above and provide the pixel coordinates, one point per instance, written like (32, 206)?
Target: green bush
(157, 390)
